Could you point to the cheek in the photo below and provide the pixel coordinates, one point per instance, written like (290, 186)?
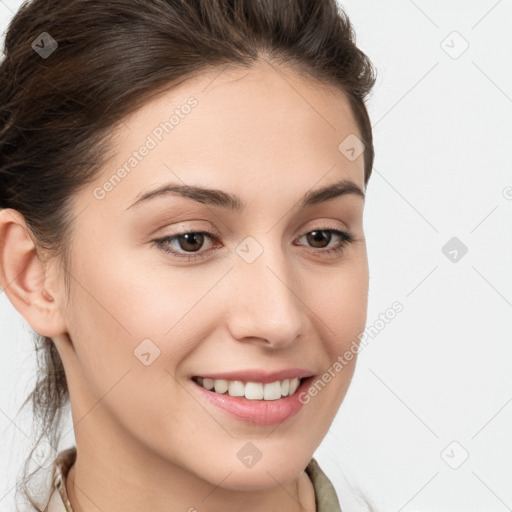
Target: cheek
(124, 356)
(338, 303)
(339, 298)
(125, 308)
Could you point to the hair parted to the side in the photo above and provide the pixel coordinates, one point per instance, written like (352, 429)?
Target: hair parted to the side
(58, 114)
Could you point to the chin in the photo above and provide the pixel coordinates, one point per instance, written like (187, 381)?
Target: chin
(267, 473)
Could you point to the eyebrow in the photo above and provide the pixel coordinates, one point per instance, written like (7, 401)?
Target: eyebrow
(232, 202)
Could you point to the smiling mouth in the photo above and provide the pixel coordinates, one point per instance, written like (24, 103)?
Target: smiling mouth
(251, 390)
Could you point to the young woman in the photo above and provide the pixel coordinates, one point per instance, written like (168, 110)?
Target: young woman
(182, 186)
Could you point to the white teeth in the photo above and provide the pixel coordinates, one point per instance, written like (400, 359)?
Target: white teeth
(251, 390)
(294, 384)
(208, 383)
(236, 388)
(254, 391)
(272, 391)
(221, 386)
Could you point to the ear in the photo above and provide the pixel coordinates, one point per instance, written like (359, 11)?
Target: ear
(24, 276)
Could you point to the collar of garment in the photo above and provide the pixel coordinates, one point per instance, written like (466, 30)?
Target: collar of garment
(325, 495)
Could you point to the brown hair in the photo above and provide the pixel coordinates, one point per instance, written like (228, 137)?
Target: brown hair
(58, 110)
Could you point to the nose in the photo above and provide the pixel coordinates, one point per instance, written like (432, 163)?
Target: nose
(265, 300)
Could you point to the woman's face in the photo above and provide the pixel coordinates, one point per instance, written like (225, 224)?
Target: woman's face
(265, 291)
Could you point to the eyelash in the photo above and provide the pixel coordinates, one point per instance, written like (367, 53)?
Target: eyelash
(162, 243)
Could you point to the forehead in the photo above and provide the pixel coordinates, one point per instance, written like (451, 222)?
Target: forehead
(260, 129)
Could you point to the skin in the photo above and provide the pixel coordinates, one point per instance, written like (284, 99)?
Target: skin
(145, 439)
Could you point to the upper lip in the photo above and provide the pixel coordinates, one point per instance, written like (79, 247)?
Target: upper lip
(257, 375)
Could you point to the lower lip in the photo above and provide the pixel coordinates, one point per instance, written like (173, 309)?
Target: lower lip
(257, 412)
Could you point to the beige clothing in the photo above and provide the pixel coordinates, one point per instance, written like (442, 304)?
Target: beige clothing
(325, 494)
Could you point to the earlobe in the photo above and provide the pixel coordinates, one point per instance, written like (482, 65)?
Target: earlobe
(23, 275)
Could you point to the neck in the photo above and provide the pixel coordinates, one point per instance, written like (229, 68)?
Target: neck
(89, 491)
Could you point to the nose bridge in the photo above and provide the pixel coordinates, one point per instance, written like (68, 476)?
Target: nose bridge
(266, 303)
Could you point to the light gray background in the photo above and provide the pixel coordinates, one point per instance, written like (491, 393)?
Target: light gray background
(434, 385)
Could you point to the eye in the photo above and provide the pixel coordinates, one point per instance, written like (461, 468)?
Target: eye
(190, 242)
(187, 241)
(324, 236)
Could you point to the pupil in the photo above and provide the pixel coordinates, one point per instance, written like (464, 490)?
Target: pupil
(317, 236)
(189, 240)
